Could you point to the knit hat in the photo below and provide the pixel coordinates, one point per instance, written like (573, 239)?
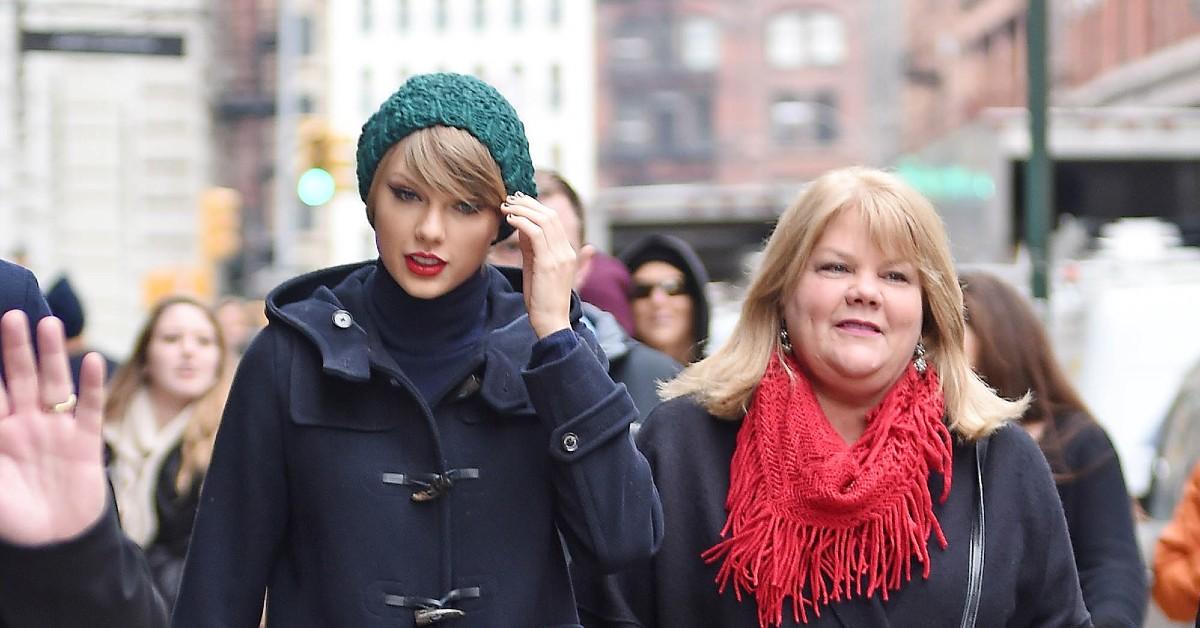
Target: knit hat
(455, 100)
(65, 305)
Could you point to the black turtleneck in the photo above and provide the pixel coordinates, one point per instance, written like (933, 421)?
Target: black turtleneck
(434, 341)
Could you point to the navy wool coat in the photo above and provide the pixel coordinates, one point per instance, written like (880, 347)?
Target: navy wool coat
(322, 491)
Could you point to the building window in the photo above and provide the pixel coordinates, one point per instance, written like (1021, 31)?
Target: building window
(366, 95)
(306, 35)
(630, 127)
(366, 16)
(555, 12)
(801, 38)
(440, 15)
(555, 87)
(480, 14)
(518, 13)
(402, 14)
(699, 43)
(799, 121)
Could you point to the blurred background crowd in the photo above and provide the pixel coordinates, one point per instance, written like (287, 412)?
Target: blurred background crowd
(150, 148)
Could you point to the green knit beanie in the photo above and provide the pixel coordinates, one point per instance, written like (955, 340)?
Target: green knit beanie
(455, 100)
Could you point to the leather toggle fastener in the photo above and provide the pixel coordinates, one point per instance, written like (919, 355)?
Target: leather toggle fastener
(429, 611)
(430, 486)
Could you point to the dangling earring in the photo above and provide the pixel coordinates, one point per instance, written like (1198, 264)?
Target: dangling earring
(919, 358)
(784, 341)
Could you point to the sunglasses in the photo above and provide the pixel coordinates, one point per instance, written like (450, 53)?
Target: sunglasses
(670, 287)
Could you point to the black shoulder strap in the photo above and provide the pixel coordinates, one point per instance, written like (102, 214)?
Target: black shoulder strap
(975, 565)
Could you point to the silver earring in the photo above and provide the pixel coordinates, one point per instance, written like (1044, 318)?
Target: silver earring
(919, 358)
(784, 341)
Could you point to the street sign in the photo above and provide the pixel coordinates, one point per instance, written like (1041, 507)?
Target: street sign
(100, 42)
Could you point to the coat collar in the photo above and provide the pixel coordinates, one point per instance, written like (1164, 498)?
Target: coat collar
(327, 307)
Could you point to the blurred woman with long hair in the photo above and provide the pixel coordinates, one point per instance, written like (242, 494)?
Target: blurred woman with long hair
(1009, 349)
(160, 420)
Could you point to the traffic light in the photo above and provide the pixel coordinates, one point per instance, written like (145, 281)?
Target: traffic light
(319, 160)
(220, 222)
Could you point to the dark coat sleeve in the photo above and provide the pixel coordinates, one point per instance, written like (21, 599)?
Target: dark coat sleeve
(1100, 519)
(19, 291)
(626, 599)
(242, 517)
(608, 509)
(96, 579)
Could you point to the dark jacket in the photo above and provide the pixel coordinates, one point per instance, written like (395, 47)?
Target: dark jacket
(1029, 573)
(678, 253)
(320, 486)
(19, 291)
(1099, 517)
(630, 362)
(176, 514)
(96, 579)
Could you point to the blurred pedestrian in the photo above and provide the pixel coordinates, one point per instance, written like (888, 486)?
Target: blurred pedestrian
(670, 308)
(65, 306)
(1177, 557)
(1009, 349)
(837, 462)
(606, 285)
(233, 315)
(160, 422)
(63, 559)
(630, 362)
(406, 439)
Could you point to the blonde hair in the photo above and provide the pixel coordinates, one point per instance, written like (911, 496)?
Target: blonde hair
(899, 220)
(198, 436)
(447, 159)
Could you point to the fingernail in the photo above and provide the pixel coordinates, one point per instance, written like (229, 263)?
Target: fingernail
(520, 193)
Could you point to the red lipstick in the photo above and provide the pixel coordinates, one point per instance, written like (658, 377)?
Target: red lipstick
(424, 264)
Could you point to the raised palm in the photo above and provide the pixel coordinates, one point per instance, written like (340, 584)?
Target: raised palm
(52, 484)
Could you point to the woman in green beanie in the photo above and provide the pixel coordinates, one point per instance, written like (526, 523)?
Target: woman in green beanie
(423, 438)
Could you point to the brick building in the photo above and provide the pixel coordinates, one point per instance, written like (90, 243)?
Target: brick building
(710, 114)
(968, 55)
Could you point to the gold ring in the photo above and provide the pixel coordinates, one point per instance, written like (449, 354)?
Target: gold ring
(65, 406)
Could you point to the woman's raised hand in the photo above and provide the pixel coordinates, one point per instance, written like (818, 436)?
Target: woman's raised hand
(52, 484)
(548, 263)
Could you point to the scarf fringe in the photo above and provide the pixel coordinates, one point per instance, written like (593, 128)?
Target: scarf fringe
(771, 551)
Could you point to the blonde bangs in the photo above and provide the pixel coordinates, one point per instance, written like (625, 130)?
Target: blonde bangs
(447, 159)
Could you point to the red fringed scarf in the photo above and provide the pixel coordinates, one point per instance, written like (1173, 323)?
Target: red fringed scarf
(811, 515)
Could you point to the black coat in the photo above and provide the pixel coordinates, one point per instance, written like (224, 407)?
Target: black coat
(176, 514)
(1029, 573)
(96, 579)
(310, 494)
(1099, 516)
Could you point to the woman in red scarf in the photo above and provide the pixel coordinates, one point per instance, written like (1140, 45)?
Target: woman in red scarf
(826, 466)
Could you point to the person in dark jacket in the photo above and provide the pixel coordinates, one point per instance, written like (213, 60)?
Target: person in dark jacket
(1009, 349)
(820, 468)
(409, 438)
(66, 307)
(160, 420)
(63, 559)
(640, 368)
(670, 308)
